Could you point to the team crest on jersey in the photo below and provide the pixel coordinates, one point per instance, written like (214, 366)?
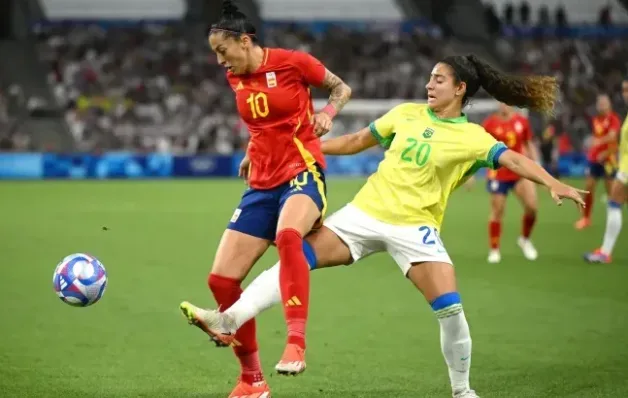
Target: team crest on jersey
(428, 133)
(271, 79)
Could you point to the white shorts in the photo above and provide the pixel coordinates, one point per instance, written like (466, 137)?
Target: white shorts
(364, 235)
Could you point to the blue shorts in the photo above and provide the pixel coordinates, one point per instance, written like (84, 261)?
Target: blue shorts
(500, 187)
(258, 212)
(601, 170)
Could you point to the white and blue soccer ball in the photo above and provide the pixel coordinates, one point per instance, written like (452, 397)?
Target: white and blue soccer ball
(80, 280)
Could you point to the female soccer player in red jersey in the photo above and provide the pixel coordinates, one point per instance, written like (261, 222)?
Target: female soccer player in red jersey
(284, 170)
(602, 154)
(514, 130)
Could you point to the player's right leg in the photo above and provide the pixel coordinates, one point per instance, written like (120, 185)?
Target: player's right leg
(249, 234)
(614, 220)
(595, 171)
(498, 191)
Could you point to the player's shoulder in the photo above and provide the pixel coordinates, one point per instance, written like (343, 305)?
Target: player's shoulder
(475, 129)
(409, 110)
(281, 56)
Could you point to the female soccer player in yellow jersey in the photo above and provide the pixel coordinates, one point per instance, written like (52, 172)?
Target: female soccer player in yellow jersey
(618, 192)
(431, 150)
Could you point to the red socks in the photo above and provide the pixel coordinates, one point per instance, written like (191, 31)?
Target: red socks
(494, 233)
(588, 201)
(529, 219)
(227, 291)
(294, 281)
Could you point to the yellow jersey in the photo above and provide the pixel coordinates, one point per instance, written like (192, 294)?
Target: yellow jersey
(426, 159)
(623, 148)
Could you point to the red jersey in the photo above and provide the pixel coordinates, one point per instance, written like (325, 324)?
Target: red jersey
(275, 103)
(602, 125)
(515, 133)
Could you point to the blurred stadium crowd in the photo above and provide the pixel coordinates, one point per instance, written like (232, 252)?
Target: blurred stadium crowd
(158, 88)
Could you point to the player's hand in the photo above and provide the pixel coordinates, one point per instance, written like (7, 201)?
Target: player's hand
(560, 191)
(244, 168)
(322, 124)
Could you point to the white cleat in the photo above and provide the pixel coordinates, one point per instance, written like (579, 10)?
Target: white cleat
(219, 326)
(494, 256)
(529, 251)
(465, 394)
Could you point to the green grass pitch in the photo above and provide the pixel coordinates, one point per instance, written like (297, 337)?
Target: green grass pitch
(553, 328)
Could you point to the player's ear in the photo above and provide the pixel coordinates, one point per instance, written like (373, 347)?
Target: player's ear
(245, 41)
(461, 88)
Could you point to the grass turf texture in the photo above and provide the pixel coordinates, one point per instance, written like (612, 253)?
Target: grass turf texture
(555, 327)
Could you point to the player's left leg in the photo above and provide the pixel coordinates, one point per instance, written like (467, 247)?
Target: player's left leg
(526, 193)
(422, 257)
(302, 205)
(437, 282)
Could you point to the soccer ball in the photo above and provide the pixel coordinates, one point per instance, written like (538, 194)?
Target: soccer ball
(80, 280)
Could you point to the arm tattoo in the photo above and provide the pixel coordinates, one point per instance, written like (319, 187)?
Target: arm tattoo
(339, 91)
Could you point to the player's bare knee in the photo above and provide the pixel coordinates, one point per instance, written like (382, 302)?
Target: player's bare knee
(237, 253)
(299, 213)
(433, 279)
(530, 209)
(618, 192)
(327, 249)
(497, 212)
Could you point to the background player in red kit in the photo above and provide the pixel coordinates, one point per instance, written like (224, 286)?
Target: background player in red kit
(286, 195)
(602, 154)
(513, 129)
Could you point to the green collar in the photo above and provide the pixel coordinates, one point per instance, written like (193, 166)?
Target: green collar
(460, 119)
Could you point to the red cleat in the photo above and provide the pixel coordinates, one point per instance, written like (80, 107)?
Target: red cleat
(255, 390)
(292, 361)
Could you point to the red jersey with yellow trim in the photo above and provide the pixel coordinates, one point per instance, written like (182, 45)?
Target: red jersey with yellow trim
(276, 105)
(515, 133)
(602, 126)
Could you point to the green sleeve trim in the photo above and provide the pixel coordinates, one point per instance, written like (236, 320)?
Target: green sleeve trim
(492, 159)
(383, 141)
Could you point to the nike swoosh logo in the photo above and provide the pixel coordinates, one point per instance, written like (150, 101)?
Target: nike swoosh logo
(464, 359)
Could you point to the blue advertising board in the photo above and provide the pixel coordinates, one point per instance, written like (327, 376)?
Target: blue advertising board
(128, 165)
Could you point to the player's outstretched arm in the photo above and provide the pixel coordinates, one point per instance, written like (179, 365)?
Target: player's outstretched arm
(527, 168)
(349, 144)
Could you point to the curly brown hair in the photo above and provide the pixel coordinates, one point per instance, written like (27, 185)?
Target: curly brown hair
(532, 92)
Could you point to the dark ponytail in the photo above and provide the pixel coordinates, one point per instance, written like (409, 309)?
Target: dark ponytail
(233, 23)
(532, 92)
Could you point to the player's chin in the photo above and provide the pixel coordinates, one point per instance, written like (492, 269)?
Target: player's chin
(234, 70)
(432, 101)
